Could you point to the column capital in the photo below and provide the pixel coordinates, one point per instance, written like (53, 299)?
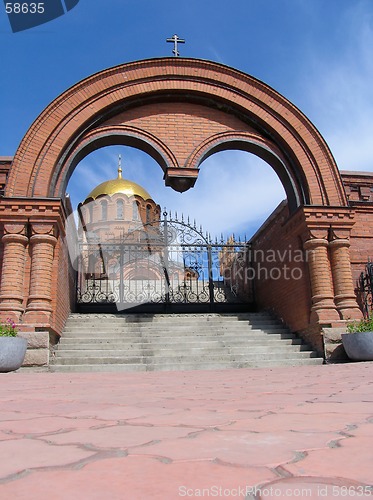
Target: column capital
(15, 229)
(339, 233)
(15, 238)
(315, 242)
(342, 242)
(43, 238)
(38, 229)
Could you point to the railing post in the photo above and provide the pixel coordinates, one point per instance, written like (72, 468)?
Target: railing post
(165, 258)
(211, 282)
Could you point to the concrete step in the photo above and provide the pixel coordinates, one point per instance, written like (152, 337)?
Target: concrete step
(104, 343)
(162, 316)
(160, 327)
(224, 357)
(174, 339)
(170, 329)
(185, 366)
(151, 342)
(191, 351)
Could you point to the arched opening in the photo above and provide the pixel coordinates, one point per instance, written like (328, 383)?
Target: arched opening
(236, 191)
(183, 113)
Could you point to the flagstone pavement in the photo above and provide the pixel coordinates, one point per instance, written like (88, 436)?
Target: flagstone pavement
(302, 432)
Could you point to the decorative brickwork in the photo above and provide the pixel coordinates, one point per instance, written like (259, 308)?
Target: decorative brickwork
(204, 99)
(5, 163)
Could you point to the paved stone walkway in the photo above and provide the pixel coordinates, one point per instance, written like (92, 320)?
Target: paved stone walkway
(303, 432)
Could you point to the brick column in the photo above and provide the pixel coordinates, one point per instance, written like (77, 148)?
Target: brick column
(344, 295)
(42, 242)
(323, 309)
(13, 271)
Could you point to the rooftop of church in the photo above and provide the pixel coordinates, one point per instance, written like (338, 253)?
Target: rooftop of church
(119, 185)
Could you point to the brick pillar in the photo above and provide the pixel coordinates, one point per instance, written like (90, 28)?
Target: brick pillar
(13, 271)
(344, 295)
(42, 244)
(323, 308)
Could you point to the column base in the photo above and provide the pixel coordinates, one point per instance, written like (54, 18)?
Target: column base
(324, 316)
(347, 307)
(37, 317)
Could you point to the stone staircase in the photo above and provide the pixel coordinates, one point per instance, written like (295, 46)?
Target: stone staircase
(131, 342)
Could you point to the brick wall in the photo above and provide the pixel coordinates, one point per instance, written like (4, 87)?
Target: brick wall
(5, 163)
(181, 126)
(1, 249)
(282, 279)
(359, 189)
(63, 291)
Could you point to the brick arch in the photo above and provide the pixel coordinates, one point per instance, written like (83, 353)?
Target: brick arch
(108, 136)
(239, 103)
(263, 148)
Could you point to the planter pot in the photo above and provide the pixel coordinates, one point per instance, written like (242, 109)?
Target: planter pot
(12, 353)
(358, 346)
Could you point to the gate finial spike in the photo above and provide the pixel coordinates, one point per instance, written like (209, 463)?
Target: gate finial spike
(221, 238)
(194, 224)
(176, 216)
(182, 217)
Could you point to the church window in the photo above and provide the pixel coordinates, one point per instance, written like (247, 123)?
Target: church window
(104, 210)
(90, 210)
(120, 209)
(135, 210)
(148, 213)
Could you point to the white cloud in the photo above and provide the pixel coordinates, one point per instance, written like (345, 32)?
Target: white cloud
(235, 191)
(338, 91)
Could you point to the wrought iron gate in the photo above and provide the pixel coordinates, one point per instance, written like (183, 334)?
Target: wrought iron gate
(365, 288)
(167, 265)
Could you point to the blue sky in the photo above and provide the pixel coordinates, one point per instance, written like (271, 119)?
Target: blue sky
(317, 53)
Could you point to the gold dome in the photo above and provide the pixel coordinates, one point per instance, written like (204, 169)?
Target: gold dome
(119, 185)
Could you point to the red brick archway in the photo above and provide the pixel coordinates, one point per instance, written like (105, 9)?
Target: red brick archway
(180, 111)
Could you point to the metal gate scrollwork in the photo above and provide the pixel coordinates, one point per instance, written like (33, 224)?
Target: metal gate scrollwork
(365, 290)
(166, 265)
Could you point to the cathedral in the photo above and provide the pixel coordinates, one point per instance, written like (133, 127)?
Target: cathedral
(130, 254)
(114, 208)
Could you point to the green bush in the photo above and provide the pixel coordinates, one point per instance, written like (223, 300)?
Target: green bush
(364, 325)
